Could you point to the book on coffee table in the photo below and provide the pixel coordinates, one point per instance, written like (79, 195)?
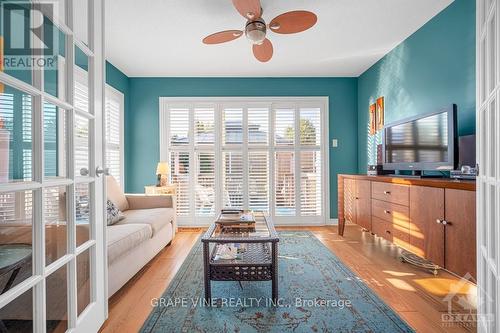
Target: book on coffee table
(236, 217)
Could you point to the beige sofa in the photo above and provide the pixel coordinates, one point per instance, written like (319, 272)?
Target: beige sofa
(149, 225)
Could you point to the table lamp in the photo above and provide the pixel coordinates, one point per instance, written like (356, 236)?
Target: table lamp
(162, 173)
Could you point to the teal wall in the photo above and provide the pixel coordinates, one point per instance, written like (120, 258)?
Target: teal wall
(142, 130)
(432, 68)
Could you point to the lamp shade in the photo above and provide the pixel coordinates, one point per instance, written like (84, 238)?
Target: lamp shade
(162, 168)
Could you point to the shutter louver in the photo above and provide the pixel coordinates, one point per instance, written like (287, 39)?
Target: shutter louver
(179, 126)
(310, 183)
(310, 126)
(232, 126)
(113, 133)
(179, 170)
(205, 184)
(258, 126)
(204, 126)
(284, 186)
(284, 127)
(258, 181)
(233, 180)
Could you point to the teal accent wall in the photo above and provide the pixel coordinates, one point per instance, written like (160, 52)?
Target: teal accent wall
(142, 129)
(432, 68)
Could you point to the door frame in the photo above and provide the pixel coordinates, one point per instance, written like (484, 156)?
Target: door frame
(93, 316)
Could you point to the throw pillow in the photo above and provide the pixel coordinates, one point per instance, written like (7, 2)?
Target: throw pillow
(114, 214)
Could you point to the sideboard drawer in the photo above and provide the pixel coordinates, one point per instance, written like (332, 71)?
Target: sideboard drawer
(398, 194)
(393, 213)
(391, 232)
(382, 228)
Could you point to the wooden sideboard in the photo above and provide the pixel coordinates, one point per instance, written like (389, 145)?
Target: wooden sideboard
(433, 218)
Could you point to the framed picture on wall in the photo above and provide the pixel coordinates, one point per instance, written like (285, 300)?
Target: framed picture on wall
(373, 120)
(379, 114)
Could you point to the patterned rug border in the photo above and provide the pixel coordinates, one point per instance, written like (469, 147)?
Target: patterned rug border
(155, 314)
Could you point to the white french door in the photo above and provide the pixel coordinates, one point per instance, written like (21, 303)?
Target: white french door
(260, 153)
(488, 148)
(52, 233)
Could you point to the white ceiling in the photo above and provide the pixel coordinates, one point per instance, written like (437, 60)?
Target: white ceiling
(163, 37)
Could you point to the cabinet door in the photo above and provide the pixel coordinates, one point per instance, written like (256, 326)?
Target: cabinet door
(363, 204)
(349, 199)
(427, 236)
(460, 243)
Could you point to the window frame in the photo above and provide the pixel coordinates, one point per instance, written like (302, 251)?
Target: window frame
(219, 147)
(82, 78)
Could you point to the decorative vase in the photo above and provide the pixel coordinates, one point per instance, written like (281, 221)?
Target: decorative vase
(4, 155)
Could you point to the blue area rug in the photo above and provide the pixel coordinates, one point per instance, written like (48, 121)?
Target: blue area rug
(318, 293)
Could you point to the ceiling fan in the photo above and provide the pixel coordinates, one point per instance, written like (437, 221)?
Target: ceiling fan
(256, 28)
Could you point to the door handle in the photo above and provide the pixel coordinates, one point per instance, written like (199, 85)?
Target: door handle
(387, 192)
(100, 171)
(387, 211)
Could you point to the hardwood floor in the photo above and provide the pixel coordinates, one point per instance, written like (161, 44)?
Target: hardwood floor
(416, 295)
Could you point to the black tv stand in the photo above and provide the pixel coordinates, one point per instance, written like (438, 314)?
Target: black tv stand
(418, 174)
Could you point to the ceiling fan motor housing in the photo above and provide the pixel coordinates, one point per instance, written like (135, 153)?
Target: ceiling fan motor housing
(256, 31)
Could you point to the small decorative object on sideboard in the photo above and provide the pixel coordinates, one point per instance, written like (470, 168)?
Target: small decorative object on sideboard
(162, 174)
(466, 172)
(4, 152)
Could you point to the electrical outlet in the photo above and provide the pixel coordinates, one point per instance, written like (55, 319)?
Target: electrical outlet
(335, 143)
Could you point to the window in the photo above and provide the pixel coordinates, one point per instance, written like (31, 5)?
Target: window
(114, 133)
(114, 118)
(257, 154)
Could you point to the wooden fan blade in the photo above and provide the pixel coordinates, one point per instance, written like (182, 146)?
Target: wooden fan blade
(249, 9)
(263, 52)
(223, 37)
(293, 22)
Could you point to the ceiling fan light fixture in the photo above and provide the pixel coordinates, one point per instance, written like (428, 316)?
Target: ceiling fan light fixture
(256, 32)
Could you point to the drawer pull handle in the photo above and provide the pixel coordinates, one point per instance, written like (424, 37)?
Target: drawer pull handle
(387, 211)
(387, 192)
(388, 232)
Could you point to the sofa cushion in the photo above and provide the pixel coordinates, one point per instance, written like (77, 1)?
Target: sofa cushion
(113, 214)
(122, 238)
(157, 218)
(115, 193)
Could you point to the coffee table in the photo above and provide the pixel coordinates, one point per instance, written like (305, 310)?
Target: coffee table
(258, 262)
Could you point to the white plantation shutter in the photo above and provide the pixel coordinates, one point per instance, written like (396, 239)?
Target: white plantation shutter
(284, 185)
(284, 127)
(205, 184)
(243, 153)
(310, 183)
(258, 126)
(179, 175)
(179, 126)
(258, 181)
(233, 179)
(114, 133)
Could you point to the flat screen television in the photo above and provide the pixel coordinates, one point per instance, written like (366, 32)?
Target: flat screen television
(422, 143)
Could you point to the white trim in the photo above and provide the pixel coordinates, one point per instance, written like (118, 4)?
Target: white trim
(295, 102)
